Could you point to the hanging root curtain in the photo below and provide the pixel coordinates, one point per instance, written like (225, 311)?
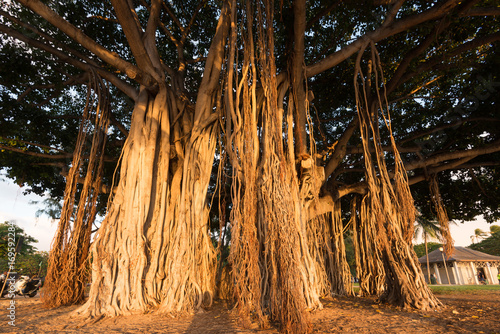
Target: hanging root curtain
(441, 214)
(389, 204)
(369, 266)
(68, 270)
(274, 273)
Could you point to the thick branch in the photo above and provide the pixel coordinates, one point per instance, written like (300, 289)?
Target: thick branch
(213, 67)
(380, 34)
(132, 71)
(483, 11)
(492, 148)
(459, 164)
(130, 25)
(297, 76)
(118, 83)
(325, 203)
(340, 149)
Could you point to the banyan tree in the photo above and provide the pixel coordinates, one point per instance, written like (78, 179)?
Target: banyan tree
(323, 118)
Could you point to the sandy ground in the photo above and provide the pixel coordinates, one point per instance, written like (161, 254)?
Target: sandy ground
(464, 313)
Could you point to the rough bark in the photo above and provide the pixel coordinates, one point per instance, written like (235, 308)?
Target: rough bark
(153, 250)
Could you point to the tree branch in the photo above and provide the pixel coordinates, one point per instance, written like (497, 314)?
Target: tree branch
(483, 11)
(380, 34)
(135, 37)
(117, 82)
(132, 71)
(492, 148)
(447, 166)
(447, 126)
(393, 11)
(213, 66)
(185, 32)
(437, 60)
(49, 38)
(36, 154)
(296, 71)
(173, 16)
(341, 148)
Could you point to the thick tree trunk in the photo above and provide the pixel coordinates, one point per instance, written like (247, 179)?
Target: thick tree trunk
(153, 249)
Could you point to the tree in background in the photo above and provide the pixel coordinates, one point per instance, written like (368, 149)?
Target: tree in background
(426, 229)
(27, 247)
(27, 255)
(420, 248)
(491, 244)
(35, 264)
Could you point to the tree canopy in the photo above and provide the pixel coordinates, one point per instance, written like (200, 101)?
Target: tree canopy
(442, 75)
(303, 118)
(490, 244)
(15, 233)
(28, 259)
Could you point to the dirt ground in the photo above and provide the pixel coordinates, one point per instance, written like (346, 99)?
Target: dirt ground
(465, 313)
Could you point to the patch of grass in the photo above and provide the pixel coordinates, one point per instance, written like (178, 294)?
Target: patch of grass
(451, 289)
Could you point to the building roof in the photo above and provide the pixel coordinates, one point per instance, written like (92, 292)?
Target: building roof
(460, 254)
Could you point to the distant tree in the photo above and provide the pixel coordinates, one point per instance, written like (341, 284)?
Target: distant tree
(33, 264)
(27, 248)
(427, 229)
(494, 229)
(478, 235)
(431, 246)
(491, 244)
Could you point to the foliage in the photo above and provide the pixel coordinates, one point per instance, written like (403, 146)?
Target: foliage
(33, 264)
(7, 235)
(420, 248)
(349, 254)
(28, 259)
(490, 245)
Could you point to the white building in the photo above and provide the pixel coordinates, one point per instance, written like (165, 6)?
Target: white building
(462, 267)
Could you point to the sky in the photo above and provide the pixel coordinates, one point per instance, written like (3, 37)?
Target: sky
(16, 206)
